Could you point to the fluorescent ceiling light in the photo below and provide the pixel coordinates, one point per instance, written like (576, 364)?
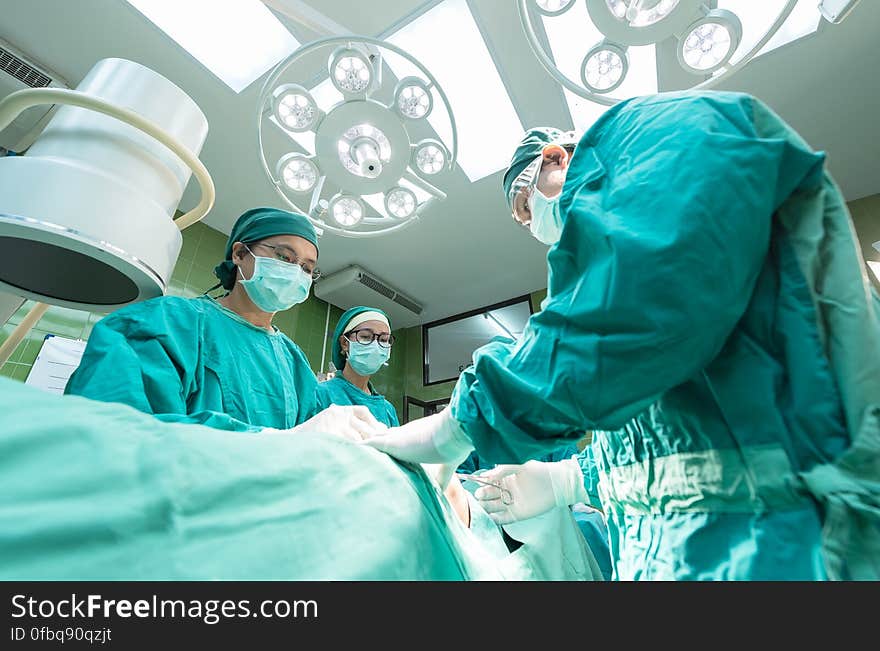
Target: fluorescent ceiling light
(447, 41)
(237, 40)
(757, 17)
(570, 37)
(875, 267)
(803, 20)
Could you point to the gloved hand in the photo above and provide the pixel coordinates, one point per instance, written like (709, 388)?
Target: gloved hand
(441, 473)
(530, 489)
(354, 423)
(434, 439)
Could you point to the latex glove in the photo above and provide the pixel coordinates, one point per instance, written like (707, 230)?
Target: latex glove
(434, 439)
(531, 489)
(354, 423)
(441, 473)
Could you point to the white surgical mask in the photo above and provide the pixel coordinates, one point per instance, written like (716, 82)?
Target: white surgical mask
(275, 285)
(546, 224)
(367, 359)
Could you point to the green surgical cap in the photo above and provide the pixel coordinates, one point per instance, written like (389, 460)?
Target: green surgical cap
(342, 326)
(530, 147)
(258, 224)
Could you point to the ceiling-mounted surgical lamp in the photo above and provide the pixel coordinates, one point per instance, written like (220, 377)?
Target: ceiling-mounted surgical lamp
(604, 67)
(369, 153)
(710, 41)
(86, 215)
(706, 40)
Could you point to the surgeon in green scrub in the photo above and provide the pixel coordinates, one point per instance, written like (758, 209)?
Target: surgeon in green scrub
(709, 318)
(362, 344)
(221, 363)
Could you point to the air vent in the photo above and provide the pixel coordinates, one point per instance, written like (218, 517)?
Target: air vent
(380, 287)
(376, 286)
(21, 70)
(355, 286)
(408, 304)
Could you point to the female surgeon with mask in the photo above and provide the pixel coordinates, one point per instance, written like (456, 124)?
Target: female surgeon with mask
(361, 347)
(221, 362)
(362, 344)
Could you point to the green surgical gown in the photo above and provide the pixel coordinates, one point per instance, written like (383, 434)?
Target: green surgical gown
(339, 391)
(708, 317)
(194, 361)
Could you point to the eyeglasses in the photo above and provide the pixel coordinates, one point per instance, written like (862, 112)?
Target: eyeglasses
(366, 337)
(525, 183)
(523, 186)
(286, 254)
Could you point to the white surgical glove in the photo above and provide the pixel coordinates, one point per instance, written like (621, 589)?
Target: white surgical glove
(441, 473)
(354, 423)
(433, 439)
(531, 489)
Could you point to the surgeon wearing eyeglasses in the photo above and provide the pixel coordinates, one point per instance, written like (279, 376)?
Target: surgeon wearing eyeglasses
(220, 362)
(362, 344)
(708, 318)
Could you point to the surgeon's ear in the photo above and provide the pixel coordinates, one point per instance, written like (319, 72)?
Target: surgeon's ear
(556, 154)
(239, 251)
(343, 344)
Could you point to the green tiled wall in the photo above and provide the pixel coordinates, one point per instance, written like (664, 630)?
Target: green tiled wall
(203, 247)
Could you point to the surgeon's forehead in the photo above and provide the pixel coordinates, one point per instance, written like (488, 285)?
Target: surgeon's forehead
(304, 249)
(376, 326)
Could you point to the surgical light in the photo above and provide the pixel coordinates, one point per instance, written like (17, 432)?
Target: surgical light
(350, 71)
(710, 42)
(604, 68)
(642, 13)
(346, 211)
(298, 172)
(99, 231)
(430, 156)
(552, 7)
(295, 108)
(363, 149)
(412, 98)
(400, 202)
(607, 51)
(362, 171)
(87, 215)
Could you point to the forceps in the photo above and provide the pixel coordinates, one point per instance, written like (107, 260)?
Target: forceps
(506, 495)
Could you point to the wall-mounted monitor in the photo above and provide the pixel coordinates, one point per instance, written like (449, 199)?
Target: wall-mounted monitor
(448, 344)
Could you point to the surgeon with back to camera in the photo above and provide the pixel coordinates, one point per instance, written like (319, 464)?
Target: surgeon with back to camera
(709, 318)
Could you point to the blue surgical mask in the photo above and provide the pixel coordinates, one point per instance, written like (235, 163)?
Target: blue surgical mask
(367, 359)
(546, 224)
(275, 285)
